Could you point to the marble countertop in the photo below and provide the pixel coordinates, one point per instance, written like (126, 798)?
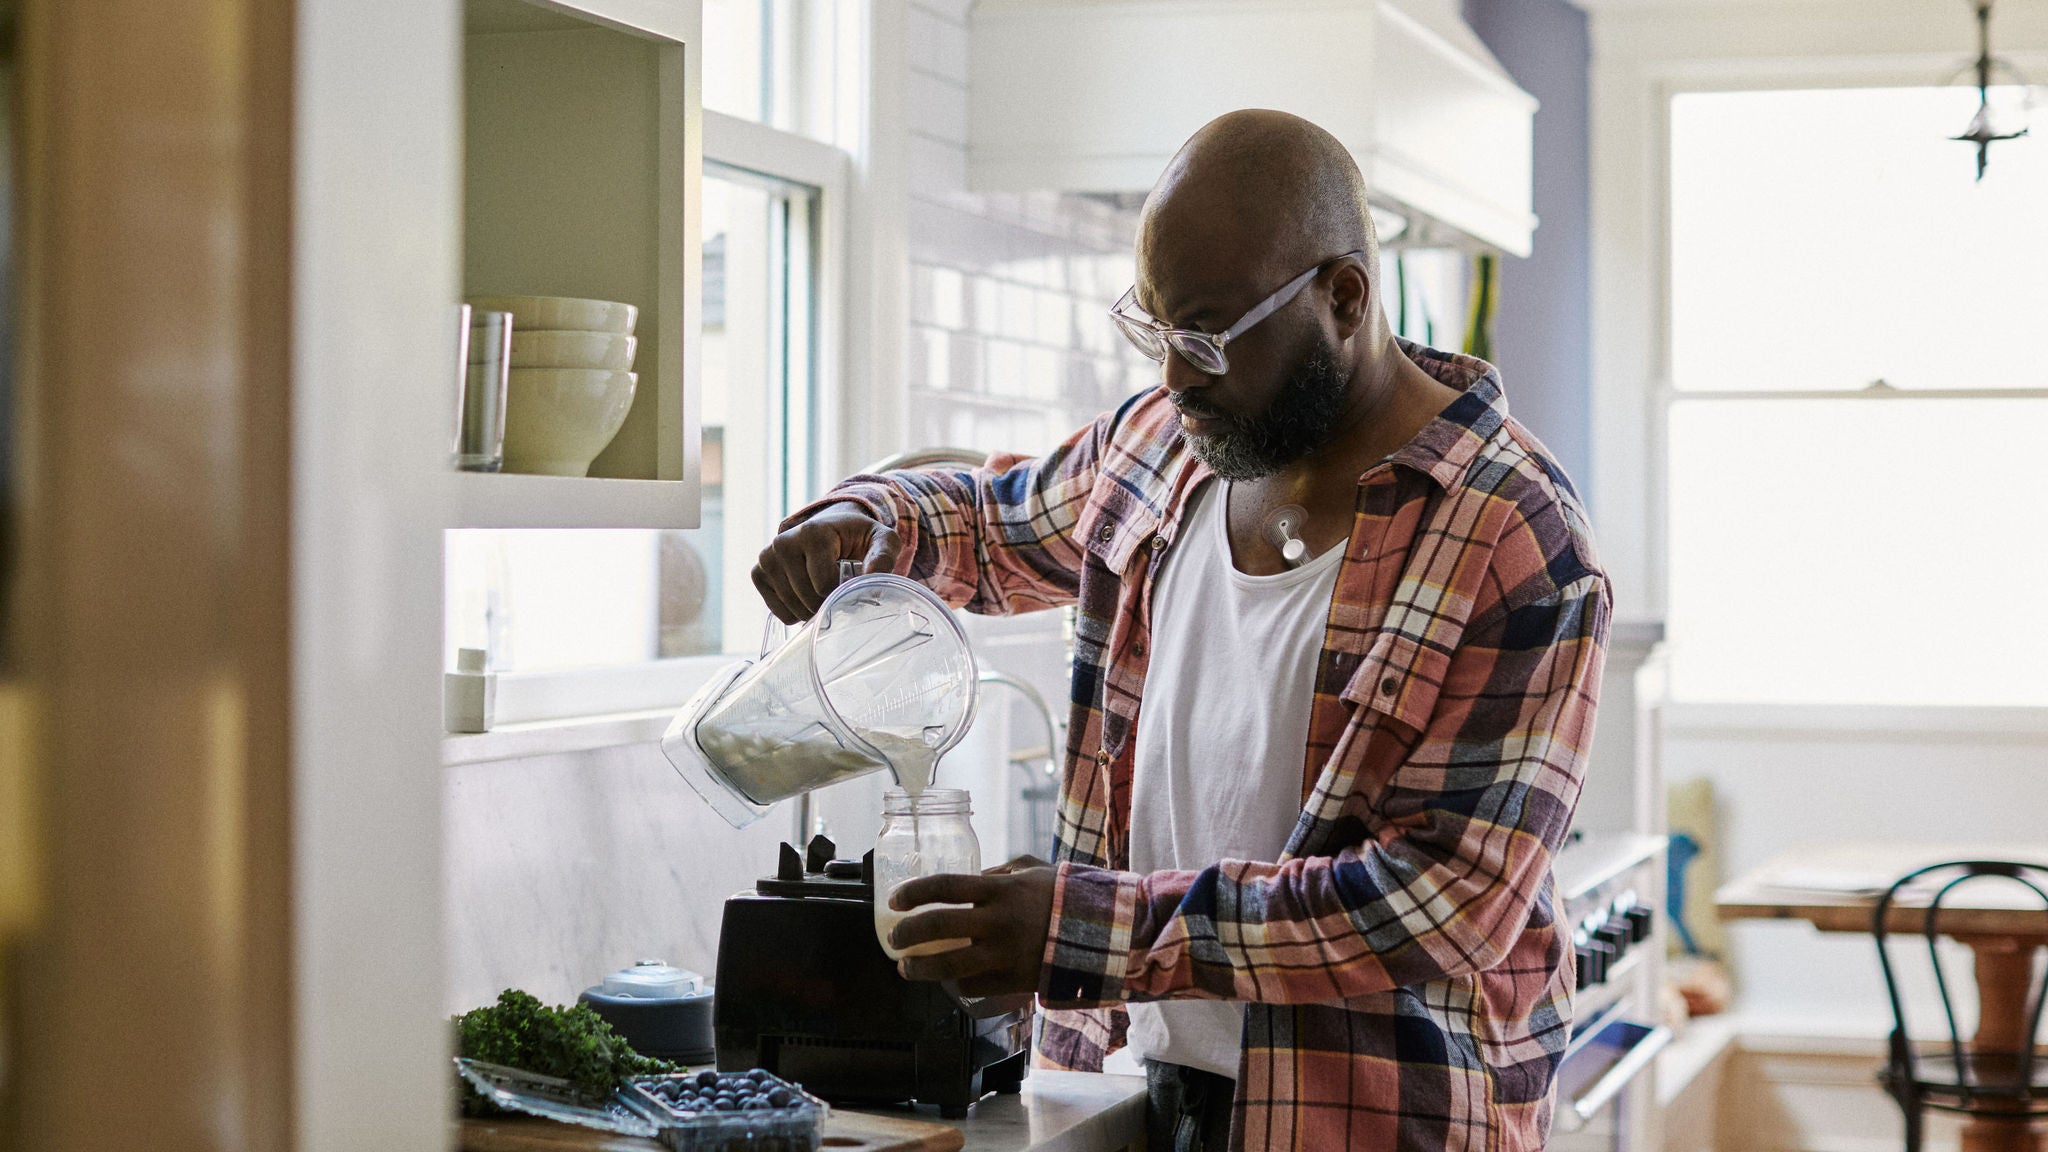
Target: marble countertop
(1056, 1112)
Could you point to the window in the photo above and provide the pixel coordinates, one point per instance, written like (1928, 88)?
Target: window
(1859, 383)
(546, 601)
(1427, 291)
(779, 63)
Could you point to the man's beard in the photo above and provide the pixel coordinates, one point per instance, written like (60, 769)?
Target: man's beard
(1301, 419)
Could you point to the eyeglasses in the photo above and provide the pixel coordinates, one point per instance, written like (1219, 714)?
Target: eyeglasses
(1204, 350)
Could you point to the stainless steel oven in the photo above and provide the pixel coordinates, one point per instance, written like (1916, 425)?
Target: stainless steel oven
(1613, 889)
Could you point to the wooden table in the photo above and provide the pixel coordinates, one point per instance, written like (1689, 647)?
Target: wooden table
(844, 1132)
(1830, 886)
(1056, 1112)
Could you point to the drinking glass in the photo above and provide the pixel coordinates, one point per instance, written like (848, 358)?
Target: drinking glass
(480, 428)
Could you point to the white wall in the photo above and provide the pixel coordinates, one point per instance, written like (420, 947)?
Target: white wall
(1817, 775)
(376, 198)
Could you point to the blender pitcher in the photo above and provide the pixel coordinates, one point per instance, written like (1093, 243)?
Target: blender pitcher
(881, 677)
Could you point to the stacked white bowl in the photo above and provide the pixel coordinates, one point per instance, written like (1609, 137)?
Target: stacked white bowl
(571, 382)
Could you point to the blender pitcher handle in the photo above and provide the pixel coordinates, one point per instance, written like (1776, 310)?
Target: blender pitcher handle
(775, 632)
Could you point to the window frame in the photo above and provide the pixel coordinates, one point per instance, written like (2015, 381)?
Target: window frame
(586, 708)
(1635, 77)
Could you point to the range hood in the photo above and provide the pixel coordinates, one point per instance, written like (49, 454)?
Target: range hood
(1095, 96)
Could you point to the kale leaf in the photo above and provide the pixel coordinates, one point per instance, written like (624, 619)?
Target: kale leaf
(574, 1043)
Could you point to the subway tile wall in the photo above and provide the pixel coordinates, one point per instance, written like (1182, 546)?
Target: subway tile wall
(1010, 345)
(1011, 349)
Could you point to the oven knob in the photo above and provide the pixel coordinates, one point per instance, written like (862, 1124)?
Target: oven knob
(1584, 955)
(1595, 959)
(1639, 923)
(1614, 934)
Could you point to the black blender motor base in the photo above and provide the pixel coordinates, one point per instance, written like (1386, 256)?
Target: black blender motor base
(805, 991)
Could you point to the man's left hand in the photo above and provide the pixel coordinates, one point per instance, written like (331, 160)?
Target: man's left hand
(1011, 914)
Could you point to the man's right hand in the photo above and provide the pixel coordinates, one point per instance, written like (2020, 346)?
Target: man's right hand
(800, 567)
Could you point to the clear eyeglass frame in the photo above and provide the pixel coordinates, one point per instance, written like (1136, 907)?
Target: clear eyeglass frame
(1203, 350)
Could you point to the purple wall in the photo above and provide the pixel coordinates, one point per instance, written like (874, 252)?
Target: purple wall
(1542, 336)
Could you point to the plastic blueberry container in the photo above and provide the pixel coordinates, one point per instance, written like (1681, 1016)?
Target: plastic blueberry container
(798, 1126)
(640, 1107)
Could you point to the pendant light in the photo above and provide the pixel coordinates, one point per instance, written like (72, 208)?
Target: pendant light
(1981, 131)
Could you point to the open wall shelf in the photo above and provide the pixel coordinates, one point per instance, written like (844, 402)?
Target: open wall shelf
(582, 164)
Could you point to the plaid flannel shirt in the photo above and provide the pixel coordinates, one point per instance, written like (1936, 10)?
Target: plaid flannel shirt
(1407, 976)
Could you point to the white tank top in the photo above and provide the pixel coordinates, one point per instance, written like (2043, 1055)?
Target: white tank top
(1222, 733)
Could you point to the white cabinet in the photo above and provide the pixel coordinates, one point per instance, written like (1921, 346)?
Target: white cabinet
(1097, 95)
(582, 164)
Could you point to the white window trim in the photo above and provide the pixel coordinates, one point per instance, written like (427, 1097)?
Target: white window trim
(585, 709)
(1645, 52)
(1878, 723)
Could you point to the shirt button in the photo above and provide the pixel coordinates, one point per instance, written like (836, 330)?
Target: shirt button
(1107, 533)
(1389, 686)
(1138, 650)
(1101, 759)
(1159, 543)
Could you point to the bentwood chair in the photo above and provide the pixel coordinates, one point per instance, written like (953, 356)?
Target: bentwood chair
(1954, 1076)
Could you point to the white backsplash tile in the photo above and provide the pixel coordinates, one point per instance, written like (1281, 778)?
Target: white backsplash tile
(564, 868)
(939, 165)
(938, 106)
(1005, 368)
(948, 300)
(938, 44)
(952, 11)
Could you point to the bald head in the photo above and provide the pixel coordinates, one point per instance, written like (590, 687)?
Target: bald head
(1260, 181)
(1252, 201)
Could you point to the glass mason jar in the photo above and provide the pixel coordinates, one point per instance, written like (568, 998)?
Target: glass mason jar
(922, 835)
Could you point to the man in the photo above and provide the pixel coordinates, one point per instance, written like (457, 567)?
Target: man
(1308, 815)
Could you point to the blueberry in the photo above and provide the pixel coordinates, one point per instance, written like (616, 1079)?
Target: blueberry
(757, 1074)
(725, 1104)
(707, 1079)
(756, 1104)
(780, 1098)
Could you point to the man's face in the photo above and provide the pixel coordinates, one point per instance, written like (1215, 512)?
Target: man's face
(1298, 417)
(1286, 386)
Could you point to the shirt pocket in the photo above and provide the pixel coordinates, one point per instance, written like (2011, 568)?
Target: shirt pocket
(1113, 531)
(1399, 677)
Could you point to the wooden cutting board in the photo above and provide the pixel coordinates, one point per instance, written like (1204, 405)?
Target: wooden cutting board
(844, 1132)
